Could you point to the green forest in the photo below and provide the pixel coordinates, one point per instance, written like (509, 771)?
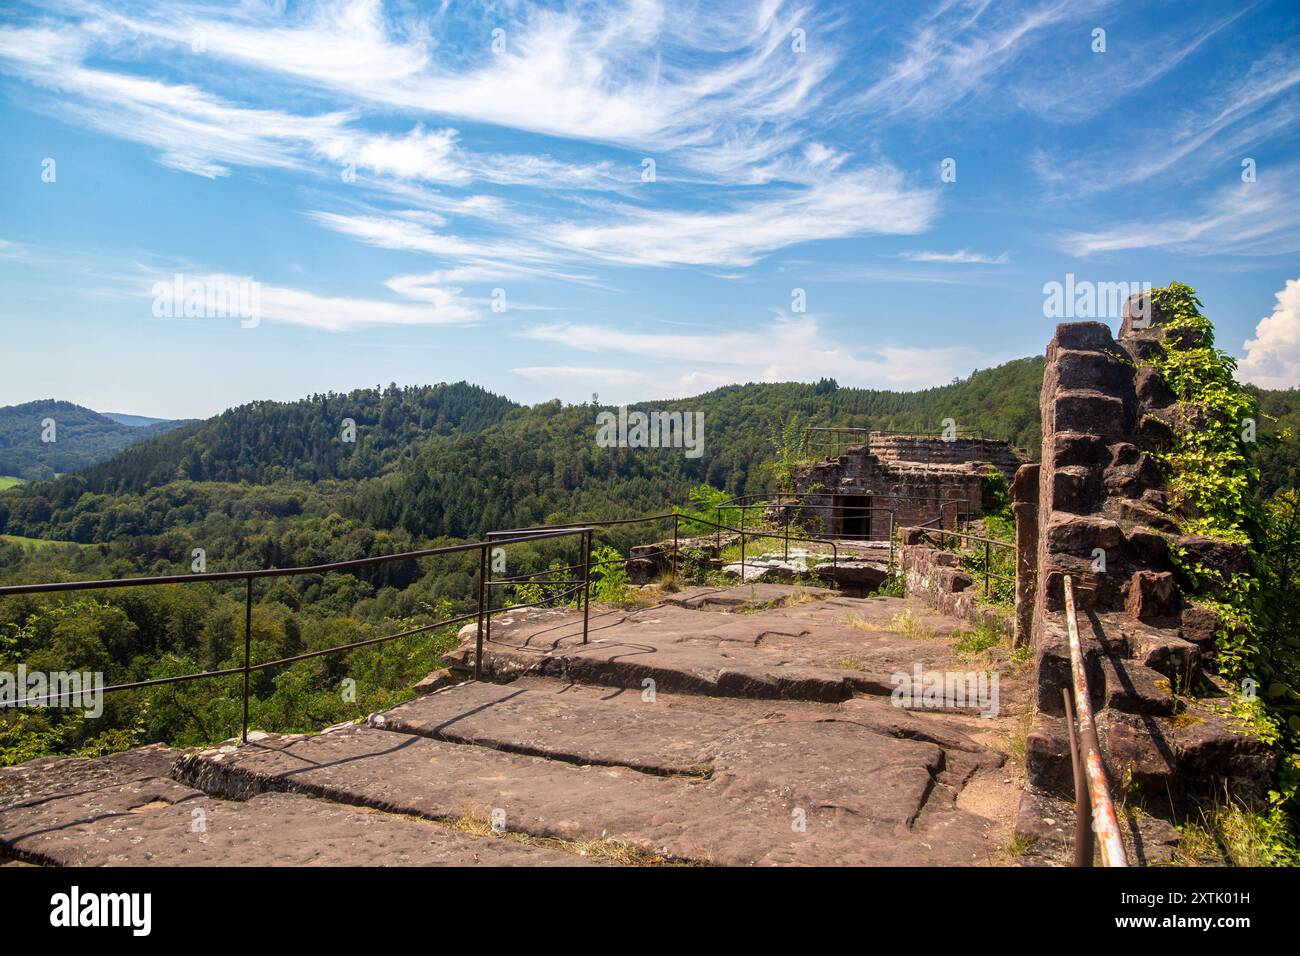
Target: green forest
(31, 450)
(381, 471)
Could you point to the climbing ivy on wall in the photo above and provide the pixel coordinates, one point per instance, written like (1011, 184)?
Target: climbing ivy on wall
(1212, 487)
(1211, 477)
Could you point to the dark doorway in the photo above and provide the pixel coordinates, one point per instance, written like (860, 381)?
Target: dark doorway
(855, 516)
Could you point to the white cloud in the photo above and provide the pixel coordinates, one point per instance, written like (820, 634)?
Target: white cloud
(1259, 218)
(787, 349)
(1211, 135)
(193, 130)
(964, 256)
(721, 90)
(856, 202)
(627, 73)
(272, 303)
(958, 51)
(853, 203)
(1125, 68)
(1272, 358)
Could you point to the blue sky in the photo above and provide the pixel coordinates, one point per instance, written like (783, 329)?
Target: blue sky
(380, 170)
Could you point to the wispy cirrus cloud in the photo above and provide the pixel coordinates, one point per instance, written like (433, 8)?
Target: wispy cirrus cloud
(1215, 133)
(723, 90)
(961, 256)
(787, 349)
(1259, 218)
(1123, 69)
(957, 52)
(871, 201)
(632, 73)
(423, 305)
(193, 130)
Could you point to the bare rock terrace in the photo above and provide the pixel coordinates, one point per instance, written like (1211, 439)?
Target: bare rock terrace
(766, 737)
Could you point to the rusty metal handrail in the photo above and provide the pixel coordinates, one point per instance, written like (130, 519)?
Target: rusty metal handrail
(1097, 795)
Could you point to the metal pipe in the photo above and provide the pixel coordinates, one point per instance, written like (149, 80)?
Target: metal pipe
(676, 524)
(248, 648)
(586, 588)
(1104, 821)
(1082, 806)
(482, 595)
(487, 598)
(742, 545)
(986, 569)
(271, 572)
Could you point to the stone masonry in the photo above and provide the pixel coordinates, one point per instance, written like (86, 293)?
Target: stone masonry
(918, 478)
(1096, 509)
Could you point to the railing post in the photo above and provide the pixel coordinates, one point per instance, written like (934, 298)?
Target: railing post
(586, 584)
(785, 514)
(986, 569)
(742, 544)
(487, 596)
(717, 524)
(482, 598)
(248, 648)
(676, 522)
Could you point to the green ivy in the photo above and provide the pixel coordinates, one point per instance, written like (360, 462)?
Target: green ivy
(1212, 488)
(1211, 478)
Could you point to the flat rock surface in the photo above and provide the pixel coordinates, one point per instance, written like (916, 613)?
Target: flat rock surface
(566, 722)
(820, 648)
(749, 727)
(734, 598)
(861, 796)
(123, 810)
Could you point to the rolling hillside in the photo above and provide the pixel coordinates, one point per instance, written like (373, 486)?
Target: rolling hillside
(30, 449)
(455, 460)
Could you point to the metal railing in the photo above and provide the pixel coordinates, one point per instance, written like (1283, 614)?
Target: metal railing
(481, 615)
(1094, 810)
(580, 583)
(678, 518)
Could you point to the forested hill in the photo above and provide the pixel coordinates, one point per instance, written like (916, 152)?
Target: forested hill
(455, 460)
(542, 463)
(32, 449)
(355, 435)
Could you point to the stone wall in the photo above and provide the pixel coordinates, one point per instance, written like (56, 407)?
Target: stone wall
(934, 577)
(929, 450)
(948, 486)
(1102, 516)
